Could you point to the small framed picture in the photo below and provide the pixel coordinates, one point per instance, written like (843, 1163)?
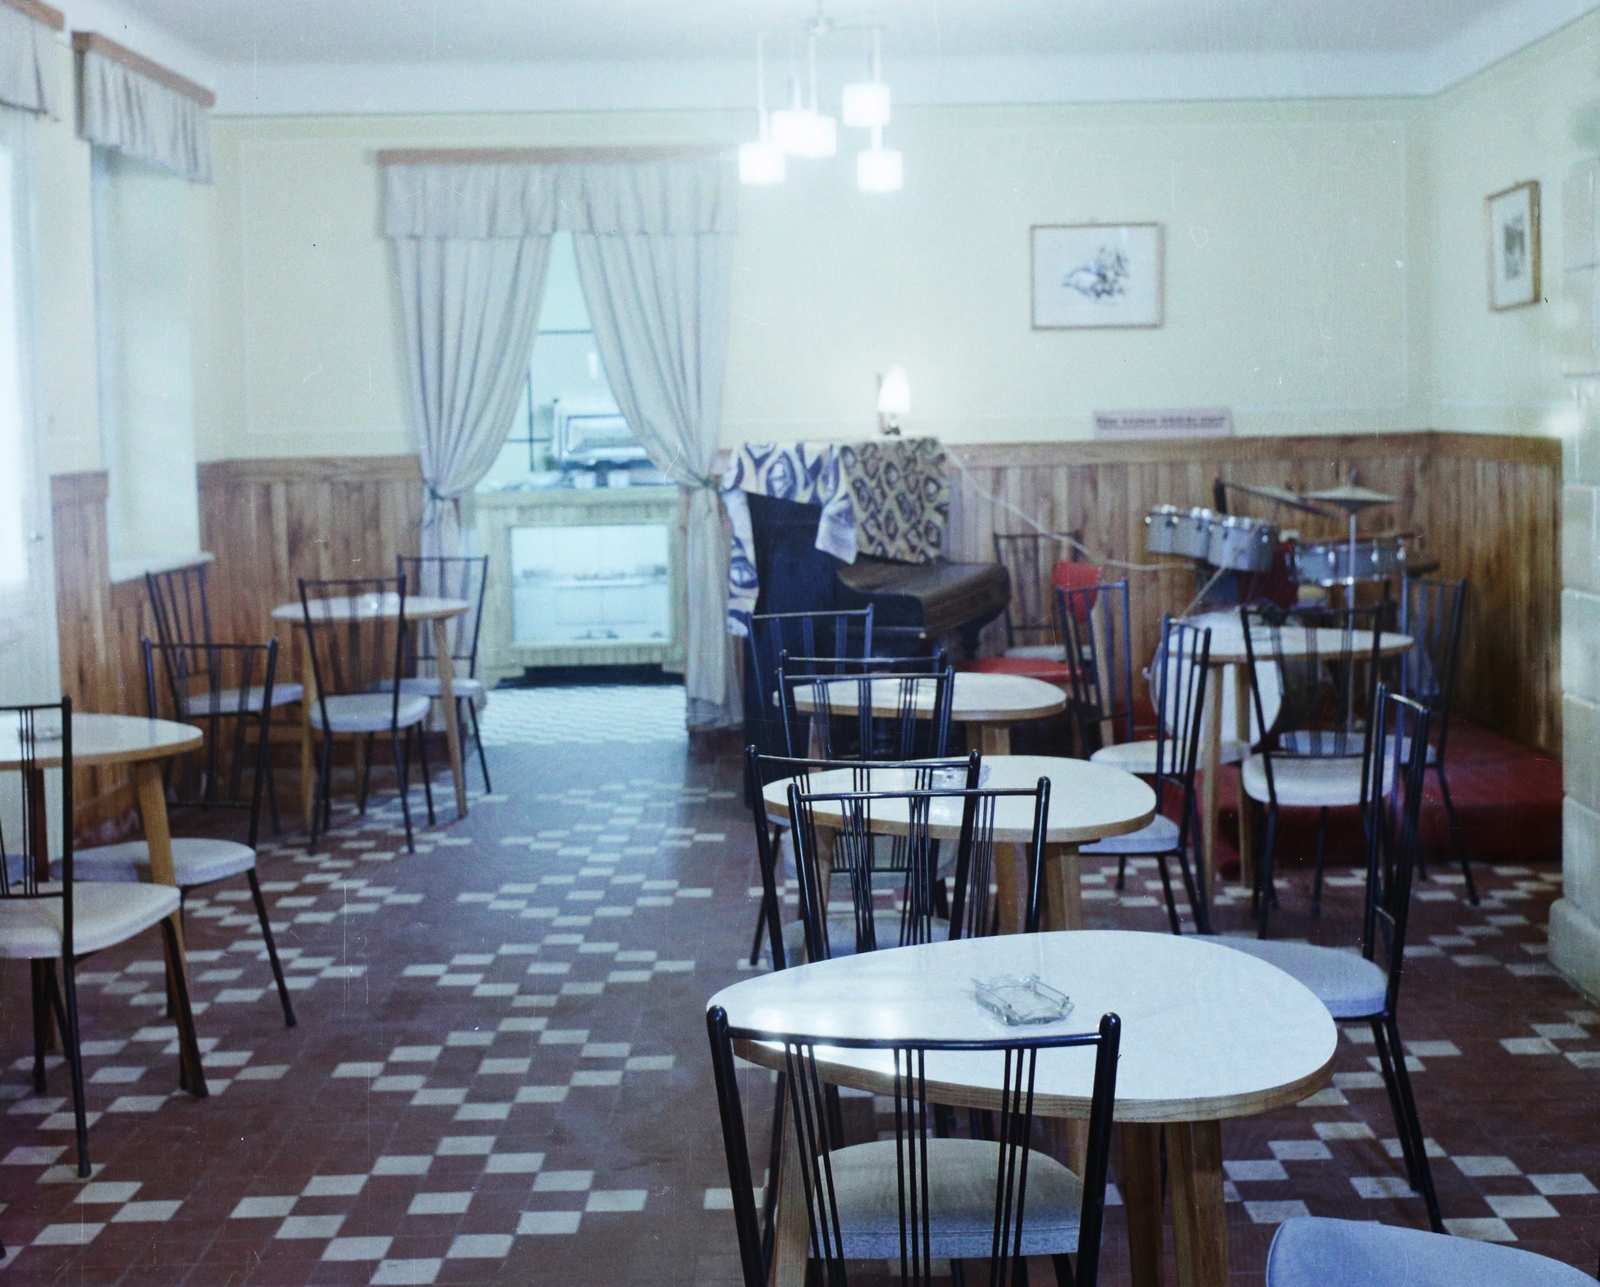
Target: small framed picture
(1514, 246)
(1096, 274)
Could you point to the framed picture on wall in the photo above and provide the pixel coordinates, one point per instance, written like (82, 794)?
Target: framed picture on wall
(1096, 274)
(1514, 246)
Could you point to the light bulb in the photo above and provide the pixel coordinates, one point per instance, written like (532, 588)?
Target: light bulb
(894, 393)
(761, 163)
(866, 105)
(879, 169)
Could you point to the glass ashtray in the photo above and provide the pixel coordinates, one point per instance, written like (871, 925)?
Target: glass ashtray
(1018, 1002)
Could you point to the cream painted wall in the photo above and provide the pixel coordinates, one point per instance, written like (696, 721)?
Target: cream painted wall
(1529, 117)
(1301, 305)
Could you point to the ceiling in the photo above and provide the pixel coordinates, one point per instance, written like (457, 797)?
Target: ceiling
(414, 31)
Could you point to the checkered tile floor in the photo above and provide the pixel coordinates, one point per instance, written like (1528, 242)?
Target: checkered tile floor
(500, 1071)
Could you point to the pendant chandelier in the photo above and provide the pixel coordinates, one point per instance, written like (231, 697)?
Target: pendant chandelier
(801, 130)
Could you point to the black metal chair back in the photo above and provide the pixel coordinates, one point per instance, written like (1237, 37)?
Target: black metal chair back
(1029, 559)
(799, 634)
(1395, 769)
(179, 606)
(42, 730)
(902, 707)
(762, 769)
(972, 909)
(819, 1136)
(354, 652)
(1096, 625)
(463, 578)
(215, 683)
(1431, 612)
(1179, 672)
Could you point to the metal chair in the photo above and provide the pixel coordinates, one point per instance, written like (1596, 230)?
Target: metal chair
(1311, 749)
(1095, 623)
(43, 921)
(235, 682)
(353, 649)
(919, 1198)
(1315, 1251)
(1393, 768)
(971, 910)
(1431, 612)
(1030, 560)
(449, 578)
(902, 707)
(1180, 671)
(798, 634)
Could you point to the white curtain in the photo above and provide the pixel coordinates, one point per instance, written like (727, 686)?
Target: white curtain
(27, 63)
(471, 311)
(141, 117)
(653, 241)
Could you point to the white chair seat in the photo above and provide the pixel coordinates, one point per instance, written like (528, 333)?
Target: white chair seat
(1160, 837)
(961, 1200)
(429, 686)
(1308, 783)
(196, 860)
(1351, 986)
(198, 705)
(103, 915)
(1313, 1251)
(1046, 652)
(1140, 757)
(369, 712)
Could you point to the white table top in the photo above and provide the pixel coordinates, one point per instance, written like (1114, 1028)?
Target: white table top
(372, 607)
(101, 740)
(1087, 801)
(1227, 640)
(1207, 1032)
(975, 698)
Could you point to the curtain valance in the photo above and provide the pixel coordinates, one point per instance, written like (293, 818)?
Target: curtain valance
(28, 77)
(474, 201)
(142, 109)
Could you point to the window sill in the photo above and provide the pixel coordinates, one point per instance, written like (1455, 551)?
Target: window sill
(135, 567)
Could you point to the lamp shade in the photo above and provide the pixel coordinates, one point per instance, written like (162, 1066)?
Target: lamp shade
(894, 392)
(761, 163)
(866, 105)
(801, 132)
(879, 169)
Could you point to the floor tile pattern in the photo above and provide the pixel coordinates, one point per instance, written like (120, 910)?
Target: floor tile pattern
(500, 1069)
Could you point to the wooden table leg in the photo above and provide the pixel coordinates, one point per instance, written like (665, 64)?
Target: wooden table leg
(1199, 1216)
(1063, 889)
(1210, 766)
(1242, 699)
(991, 739)
(447, 698)
(152, 797)
(1141, 1197)
(792, 1235)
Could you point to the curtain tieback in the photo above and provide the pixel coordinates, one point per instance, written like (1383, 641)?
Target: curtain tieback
(435, 494)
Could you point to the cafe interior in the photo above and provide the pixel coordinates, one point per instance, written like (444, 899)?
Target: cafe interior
(799, 642)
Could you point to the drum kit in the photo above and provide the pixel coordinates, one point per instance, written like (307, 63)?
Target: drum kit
(1239, 544)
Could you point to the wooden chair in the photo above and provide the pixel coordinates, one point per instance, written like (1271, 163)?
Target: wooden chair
(352, 654)
(1033, 561)
(235, 682)
(45, 921)
(1179, 671)
(918, 1198)
(1355, 987)
(449, 578)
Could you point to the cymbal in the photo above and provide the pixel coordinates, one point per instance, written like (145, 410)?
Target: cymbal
(1352, 498)
(1280, 496)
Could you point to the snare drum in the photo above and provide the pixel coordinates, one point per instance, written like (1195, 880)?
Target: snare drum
(1161, 529)
(1191, 536)
(1328, 562)
(1241, 544)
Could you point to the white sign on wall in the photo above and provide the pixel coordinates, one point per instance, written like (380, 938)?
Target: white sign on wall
(1202, 422)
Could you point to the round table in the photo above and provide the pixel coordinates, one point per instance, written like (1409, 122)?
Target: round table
(386, 607)
(1207, 1033)
(99, 741)
(1228, 654)
(987, 704)
(1088, 802)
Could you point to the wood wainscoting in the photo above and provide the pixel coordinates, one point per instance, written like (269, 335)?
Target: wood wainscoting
(1484, 506)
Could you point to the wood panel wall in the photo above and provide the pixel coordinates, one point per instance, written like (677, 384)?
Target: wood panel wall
(1485, 506)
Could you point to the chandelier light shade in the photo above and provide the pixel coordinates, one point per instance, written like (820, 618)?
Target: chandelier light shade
(866, 105)
(879, 169)
(761, 164)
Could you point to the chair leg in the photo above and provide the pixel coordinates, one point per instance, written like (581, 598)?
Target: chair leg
(769, 1195)
(324, 787)
(1402, 1128)
(41, 1024)
(400, 758)
(69, 1043)
(1418, 1142)
(366, 775)
(761, 932)
(272, 948)
(1456, 836)
(272, 782)
(1316, 879)
(427, 776)
(1063, 1268)
(1122, 872)
(188, 1041)
(477, 738)
(1264, 896)
(1166, 890)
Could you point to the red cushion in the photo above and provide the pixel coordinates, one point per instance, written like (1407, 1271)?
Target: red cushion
(1052, 672)
(1077, 576)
